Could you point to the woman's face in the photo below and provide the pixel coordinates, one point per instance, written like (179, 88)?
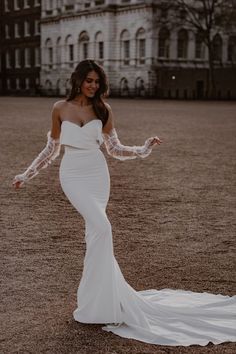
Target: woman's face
(90, 85)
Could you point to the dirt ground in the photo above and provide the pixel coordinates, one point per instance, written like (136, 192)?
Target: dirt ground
(173, 217)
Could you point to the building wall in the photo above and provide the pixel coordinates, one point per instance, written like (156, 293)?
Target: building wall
(20, 47)
(155, 75)
(129, 33)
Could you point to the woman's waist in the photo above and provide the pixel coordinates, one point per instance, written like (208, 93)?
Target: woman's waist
(82, 149)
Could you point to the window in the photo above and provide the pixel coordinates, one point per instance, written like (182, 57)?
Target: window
(7, 35)
(83, 45)
(17, 30)
(49, 7)
(27, 57)
(6, 5)
(36, 27)
(27, 28)
(182, 44)
(17, 83)
(50, 57)
(8, 60)
(125, 47)
(232, 48)
(71, 52)
(217, 47)
(99, 2)
(85, 50)
(199, 47)
(27, 83)
(58, 51)
(16, 5)
(141, 46)
(48, 54)
(17, 58)
(164, 43)
(37, 57)
(26, 4)
(100, 50)
(126, 51)
(99, 46)
(8, 84)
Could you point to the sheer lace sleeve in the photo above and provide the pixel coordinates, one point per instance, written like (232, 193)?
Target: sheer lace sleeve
(117, 150)
(46, 156)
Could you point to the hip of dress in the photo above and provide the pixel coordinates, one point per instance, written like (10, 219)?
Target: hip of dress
(85, 167)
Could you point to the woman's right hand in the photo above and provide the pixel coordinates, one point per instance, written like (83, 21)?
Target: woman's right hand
(17, 182)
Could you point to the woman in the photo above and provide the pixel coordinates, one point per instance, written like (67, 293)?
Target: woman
(168, 317)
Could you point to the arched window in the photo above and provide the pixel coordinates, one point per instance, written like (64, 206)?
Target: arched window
(199, 46)
(140, 46)
(67, 86)
(182, 43)
(125, 47)
(69, 51)
(83, 45)
(217, 48)
(48, 53)
(58, 52)
(140, 87)
(164, 43)
(232, 48)
(58, 87)
(48, 86)
(99, 46)
(124, 87)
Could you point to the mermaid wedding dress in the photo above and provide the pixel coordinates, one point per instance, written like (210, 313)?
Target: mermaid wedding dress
(164, 317)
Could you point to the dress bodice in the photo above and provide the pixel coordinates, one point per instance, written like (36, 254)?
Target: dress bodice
(88, 136)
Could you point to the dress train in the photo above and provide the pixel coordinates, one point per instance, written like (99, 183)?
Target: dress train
(165, 317)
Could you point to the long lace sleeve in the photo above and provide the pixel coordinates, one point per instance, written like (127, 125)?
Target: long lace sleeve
(46, 156)
(117, 150)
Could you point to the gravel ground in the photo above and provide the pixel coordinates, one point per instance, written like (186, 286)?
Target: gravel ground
(173, 218)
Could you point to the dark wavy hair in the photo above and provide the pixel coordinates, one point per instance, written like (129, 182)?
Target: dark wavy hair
(79, 75)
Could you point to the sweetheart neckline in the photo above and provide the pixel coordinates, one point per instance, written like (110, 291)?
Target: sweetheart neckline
(82, 125)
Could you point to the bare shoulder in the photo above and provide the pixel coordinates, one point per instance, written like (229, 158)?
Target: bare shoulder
(108, 106)
(60, 104)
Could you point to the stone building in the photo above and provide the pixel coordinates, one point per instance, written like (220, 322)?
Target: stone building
(134, 40)
(20, 47)
(142, 56)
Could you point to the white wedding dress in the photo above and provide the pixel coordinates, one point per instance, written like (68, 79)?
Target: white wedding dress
(165, 317)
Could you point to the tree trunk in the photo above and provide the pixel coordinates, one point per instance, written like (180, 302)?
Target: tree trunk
(211, 76)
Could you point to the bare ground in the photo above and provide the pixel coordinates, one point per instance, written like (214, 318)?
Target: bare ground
(173, 218)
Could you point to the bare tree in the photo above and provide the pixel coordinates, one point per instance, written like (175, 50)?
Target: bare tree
(206, 18)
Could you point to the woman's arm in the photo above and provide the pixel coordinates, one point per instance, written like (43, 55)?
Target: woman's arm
(122, 152)
(47, 155)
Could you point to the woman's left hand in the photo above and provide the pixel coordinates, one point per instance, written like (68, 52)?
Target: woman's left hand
(154, 141)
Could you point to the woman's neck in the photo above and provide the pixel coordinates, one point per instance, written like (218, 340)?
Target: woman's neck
(82, 101)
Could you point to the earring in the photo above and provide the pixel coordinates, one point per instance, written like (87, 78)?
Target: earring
(78, 90)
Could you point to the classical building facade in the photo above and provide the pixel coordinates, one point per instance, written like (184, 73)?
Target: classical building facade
(141, 53)
(20, 47)
(134, 40)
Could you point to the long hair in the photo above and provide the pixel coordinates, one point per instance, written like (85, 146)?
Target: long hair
(79, 75)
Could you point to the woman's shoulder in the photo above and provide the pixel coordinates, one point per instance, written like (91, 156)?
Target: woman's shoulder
(107, 106)
(60, 104)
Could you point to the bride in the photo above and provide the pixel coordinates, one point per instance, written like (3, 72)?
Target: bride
(82, 123)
